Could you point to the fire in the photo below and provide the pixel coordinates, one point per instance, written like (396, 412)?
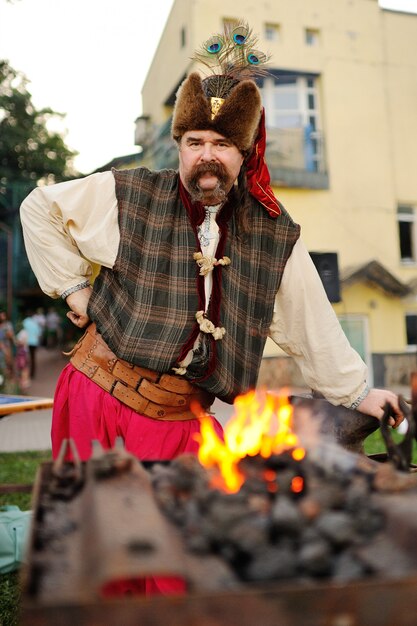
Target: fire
(261, 425)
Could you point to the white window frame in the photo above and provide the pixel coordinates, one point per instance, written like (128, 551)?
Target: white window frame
(272, 31)
(406, 213)
(366, 356)
(303, 90)
(312, 37)
(411, 347)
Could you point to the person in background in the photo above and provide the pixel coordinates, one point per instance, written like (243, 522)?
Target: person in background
(22, 360)
(34, 334)
(7, 347)
(198, 267)
(53, 328)
(40, 317)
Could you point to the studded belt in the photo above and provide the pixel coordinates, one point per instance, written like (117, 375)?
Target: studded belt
(155, 395)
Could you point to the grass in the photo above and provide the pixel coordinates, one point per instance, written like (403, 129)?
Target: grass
(20, 468)
(16, 468)
(375, 443)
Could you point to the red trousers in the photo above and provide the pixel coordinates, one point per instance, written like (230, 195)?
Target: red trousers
(83, 411)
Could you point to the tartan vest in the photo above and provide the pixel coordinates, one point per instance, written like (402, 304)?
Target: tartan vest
(145, 306)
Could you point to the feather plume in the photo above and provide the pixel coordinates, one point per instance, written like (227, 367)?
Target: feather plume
(231, 57)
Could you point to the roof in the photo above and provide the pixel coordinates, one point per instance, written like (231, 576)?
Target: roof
(120, 162)
(374, 272)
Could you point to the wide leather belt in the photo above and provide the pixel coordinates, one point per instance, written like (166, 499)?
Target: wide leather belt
(160, 396)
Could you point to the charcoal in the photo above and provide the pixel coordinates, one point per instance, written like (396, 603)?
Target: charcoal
(188, 474)
(254, 485)
(337, 527)
(357, 494)
(265, 531)
(198, 543)
(348, 567)
(310, 507)
(280, 462)
(259, 503)
(232, 555)
(368, 520)
(249, 535)
(330, 497)
(310, 534)
(383, 557)
(315, 557)
(227, 509)
(286, 516)
(272, 564)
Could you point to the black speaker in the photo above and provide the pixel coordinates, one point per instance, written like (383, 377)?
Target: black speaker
(328, 270)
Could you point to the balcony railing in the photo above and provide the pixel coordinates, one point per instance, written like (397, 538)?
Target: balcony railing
(296, 158)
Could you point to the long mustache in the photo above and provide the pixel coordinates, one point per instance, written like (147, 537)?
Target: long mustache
(218, 170)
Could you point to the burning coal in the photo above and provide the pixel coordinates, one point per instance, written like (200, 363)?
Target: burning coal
(270, 530)
(261, 425)
(258, 501)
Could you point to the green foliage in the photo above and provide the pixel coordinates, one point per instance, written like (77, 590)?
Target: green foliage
(9, 598)
(16, 468)
(20, 468)
(28, 150)
(374, 444)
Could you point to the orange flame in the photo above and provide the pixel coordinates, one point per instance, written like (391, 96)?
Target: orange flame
(261, 425)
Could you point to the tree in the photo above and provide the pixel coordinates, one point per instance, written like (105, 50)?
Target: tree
(28, 150)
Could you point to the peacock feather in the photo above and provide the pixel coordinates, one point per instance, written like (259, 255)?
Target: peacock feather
(231, 57)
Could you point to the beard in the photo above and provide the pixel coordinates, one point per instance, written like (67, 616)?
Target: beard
(209, 196)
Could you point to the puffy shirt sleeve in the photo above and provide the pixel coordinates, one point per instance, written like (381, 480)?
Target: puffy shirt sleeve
(306, 327)
(68, 228)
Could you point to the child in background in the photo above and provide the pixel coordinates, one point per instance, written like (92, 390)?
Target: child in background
(22, 360)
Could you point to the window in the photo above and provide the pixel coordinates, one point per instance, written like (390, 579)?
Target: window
(411, 329)
(229, 23)
(356, 330)
(292, 113)
(407, 233)
(272, 32)
(312, 36)
(183, 37)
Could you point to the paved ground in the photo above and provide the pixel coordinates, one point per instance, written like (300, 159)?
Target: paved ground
(31, 430)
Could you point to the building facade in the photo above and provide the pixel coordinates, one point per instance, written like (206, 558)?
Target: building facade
(341, 114)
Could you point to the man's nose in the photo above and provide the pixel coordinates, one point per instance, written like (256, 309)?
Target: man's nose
(208, 152)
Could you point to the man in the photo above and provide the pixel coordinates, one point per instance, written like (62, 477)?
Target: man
(197, 268)
(34, 334)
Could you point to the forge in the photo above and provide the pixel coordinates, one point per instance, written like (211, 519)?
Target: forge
(302, 529)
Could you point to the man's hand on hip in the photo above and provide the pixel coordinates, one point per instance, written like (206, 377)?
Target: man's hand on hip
(78, 302)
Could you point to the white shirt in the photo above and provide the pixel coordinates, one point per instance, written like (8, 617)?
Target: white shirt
(71, 228)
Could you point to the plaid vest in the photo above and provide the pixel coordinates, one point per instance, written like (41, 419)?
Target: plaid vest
(145, 305)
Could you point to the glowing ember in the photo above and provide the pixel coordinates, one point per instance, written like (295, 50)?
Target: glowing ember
(261, 425)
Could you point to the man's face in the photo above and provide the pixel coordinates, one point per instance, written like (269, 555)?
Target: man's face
(208, 165)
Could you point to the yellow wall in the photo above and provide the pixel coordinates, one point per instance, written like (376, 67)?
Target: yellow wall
(384, 314)
(367, 63)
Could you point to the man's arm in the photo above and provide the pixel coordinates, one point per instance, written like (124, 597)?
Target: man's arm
(66, 224)
(306, 327)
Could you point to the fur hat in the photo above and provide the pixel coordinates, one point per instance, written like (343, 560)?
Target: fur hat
(237, 118)
(227, 102)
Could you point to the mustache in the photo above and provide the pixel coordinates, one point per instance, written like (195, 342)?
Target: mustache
(218, 170)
